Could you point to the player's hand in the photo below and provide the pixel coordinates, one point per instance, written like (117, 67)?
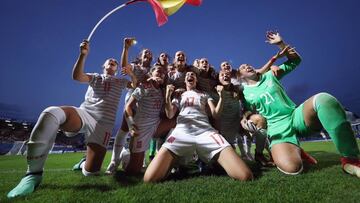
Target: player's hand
(273, 37)
(178, 92)
(127, 70)
(84, 47)
(248, 125)
(220, 90)
(291, 51)
(128, 42)
(276, 71)
(169, 90)
(282, 52)
(134, 130)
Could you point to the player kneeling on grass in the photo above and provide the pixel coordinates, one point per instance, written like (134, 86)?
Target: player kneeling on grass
(193, 132)
(286, 121)
(95, 117)
(149, 99)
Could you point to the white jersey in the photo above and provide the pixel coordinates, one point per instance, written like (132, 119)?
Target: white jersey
(102, 97)
(150, 101)
(177, 79)
(140, 72)
(193, 132)
(149, 104)
(193, 118)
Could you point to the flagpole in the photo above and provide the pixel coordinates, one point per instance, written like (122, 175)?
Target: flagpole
(107, 15)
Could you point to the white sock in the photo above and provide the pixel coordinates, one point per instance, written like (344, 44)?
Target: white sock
(87, 173)
(82, 165)
(119, 143)
(43, 137)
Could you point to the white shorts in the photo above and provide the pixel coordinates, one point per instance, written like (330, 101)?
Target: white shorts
(141, 143)
(94, 131)
(206, 145)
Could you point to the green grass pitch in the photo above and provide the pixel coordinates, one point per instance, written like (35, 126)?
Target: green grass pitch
(324, 182)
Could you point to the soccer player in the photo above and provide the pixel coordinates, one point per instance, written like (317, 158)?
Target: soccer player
(149, 99)
(177, 76)
(95, 117)
(207, 77)
(140, 67)
(163, 62)
(155, 143)
(232, 114)
(193, 132)
(286, 121)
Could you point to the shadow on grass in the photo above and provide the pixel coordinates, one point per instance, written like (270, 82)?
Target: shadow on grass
(127, 180)
(324, 159)
(86, 186)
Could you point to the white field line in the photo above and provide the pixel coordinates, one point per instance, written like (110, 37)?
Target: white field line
(46, 170)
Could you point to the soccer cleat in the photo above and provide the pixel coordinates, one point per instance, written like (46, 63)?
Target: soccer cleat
(125, 158)
(263, 161)
(307, 158)
(77, 167)
(351, 166)
(26, 186)
(111, 169)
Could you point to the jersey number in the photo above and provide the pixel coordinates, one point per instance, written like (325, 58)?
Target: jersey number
(268, 97)
(189, 101)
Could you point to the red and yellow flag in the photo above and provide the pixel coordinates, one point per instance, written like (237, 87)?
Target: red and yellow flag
(165, 8)
(162, 9)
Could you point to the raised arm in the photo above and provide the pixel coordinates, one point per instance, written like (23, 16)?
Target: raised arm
(125, 52)
(275, 38)
(217, 110)
(294, 58)
(78, 69)
(170, 109)
(268, 65)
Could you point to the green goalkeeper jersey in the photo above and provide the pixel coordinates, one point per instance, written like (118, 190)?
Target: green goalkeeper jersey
(269, 98)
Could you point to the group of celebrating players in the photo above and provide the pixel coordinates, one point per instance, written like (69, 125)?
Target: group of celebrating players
(197, 112)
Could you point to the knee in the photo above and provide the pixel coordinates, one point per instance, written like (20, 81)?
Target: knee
(57, 112)
(325, 99)
(290, 168)
(243, 176)
(149, 178)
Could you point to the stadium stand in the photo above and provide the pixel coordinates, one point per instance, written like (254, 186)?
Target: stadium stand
(15, 133)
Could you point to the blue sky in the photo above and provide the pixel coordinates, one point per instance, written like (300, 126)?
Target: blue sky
(39, 43)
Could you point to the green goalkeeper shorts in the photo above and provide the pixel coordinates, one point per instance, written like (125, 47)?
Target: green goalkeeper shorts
(288, 129)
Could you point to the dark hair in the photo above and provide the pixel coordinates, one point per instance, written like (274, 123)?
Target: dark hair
(137, 60)
(158, 58)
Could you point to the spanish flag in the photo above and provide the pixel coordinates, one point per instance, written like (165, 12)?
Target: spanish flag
(165, 8)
